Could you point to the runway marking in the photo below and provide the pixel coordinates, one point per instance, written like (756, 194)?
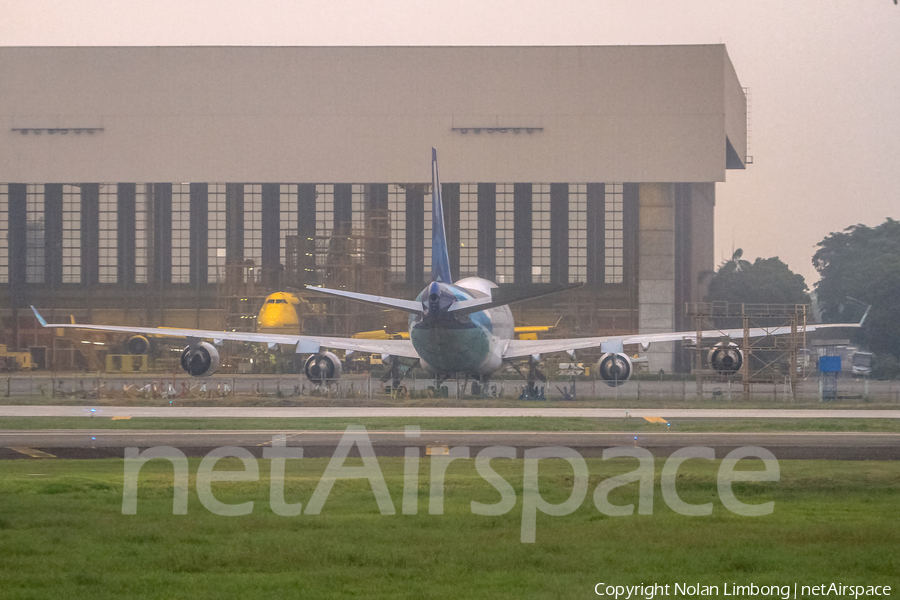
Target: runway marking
(298, 433)
(31, 452)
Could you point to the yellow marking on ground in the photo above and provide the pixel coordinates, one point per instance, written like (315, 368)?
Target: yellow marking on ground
(120, 418)
(656, 419)
(31, 452)
(437, 450)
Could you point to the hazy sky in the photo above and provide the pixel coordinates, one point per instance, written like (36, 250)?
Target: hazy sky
(823, 75)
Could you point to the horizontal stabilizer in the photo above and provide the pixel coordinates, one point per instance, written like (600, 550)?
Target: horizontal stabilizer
(410, 306)
(465, 307)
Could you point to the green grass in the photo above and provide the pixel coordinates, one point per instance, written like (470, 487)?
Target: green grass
(460, 424)
(62, 535)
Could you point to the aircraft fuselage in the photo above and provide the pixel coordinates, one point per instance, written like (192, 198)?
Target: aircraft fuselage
(450, 343)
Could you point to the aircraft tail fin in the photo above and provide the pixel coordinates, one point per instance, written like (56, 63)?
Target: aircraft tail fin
(440, 257)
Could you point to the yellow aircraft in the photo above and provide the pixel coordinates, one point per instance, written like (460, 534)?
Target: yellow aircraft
(279, 313)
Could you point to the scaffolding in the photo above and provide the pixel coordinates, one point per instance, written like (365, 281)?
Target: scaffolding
(241, 292)
(354, 260)
(765, 354)
(350, 259)
(580, 313)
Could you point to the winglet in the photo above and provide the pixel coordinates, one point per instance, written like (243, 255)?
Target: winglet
(40, 319)
(865, 314)
(440, 257)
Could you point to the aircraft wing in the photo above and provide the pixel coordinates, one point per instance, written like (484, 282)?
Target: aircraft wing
(520, 348)
(305, 344)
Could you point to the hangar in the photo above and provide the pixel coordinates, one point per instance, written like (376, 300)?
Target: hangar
(168, 186)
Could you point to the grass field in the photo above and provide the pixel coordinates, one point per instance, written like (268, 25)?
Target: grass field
(636, 424)
(63, 534)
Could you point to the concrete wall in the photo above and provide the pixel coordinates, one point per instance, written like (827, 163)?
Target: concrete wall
(735, 111)
(368, 114)
(656, 274)
(703, 204)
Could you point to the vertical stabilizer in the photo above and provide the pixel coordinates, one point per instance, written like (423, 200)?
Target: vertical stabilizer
(440, 258)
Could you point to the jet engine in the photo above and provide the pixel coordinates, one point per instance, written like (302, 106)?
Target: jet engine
(137, 344)
(201, 361)
(614, 368)
(726, 358)
(321, 366)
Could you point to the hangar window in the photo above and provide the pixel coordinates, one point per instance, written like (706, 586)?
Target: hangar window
(540, 233)
(468, 230)
(253, 225)
(397, 211)
(4, 233)
(34, 233)
(216, 232)
(577, 233)
(71, 230)
(181, 233)
(358, 196)
(358, 209)
(109, 233)
(613, 234)
(141, 219)
(505, 237)
(288, 219)
(324, 222)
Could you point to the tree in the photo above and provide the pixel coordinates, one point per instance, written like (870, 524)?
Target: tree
(765, 281)
(861, 266)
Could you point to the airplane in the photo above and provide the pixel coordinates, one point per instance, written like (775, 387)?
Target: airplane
(279, 314)
(464, 328)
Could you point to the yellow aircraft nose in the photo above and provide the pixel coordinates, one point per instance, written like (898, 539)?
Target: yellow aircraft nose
(277, 313)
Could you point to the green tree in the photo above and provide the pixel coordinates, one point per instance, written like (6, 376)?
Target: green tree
(765, 281)
(857, 267)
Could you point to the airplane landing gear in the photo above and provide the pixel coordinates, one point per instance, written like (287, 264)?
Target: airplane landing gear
(439, 390)
(531, 391)
(396, 376)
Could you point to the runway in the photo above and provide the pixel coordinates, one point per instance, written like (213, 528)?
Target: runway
(105, 443)
(429, 412)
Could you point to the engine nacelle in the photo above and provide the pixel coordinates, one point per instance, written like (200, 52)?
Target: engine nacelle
(726, 358)
(324, 365)
(201, 361)
(614, 368)
(137, 344)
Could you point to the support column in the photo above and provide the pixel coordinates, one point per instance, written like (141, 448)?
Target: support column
(127, 230)
(656, 277)
(271, 235)
(199, 228)
(53, 234)
(306, 231)
(559, 233)
(522, 232)
(450, 196)
(90, 234)
(415, 237)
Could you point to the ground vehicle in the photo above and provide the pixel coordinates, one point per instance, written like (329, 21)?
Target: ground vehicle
(861, 363)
